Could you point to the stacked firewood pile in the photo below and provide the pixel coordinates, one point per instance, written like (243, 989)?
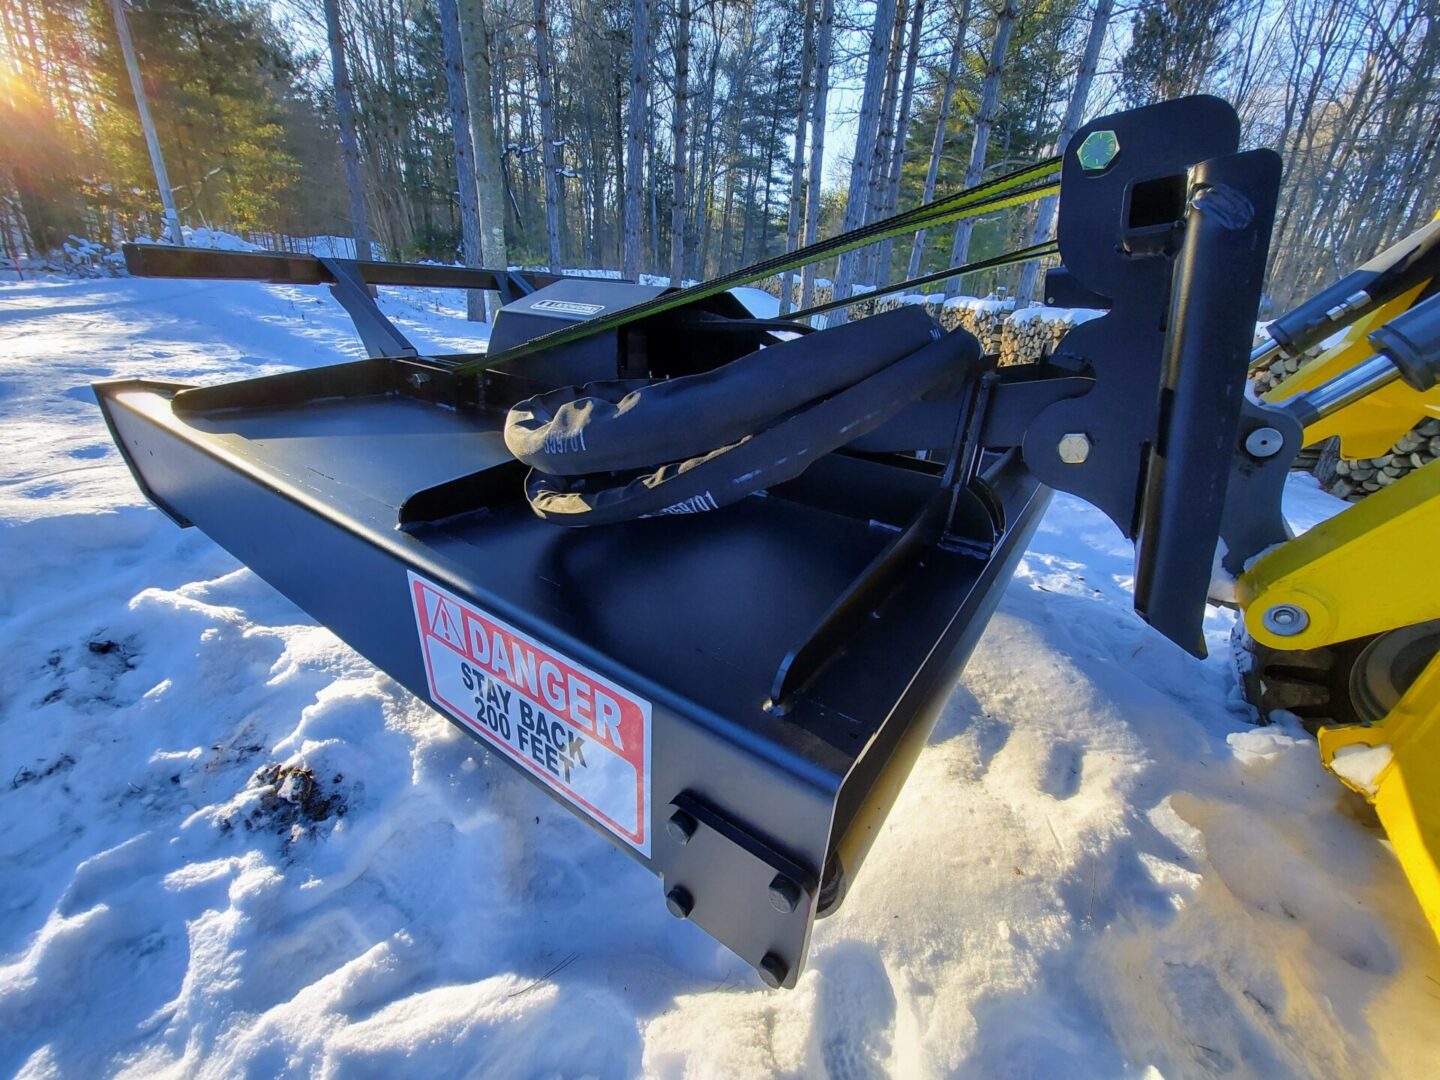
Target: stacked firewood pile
(1022, 337)
(1354, 480)
(1277, 371)
(983, 318)
(1031, 334)
(824, 289)
(931, 303)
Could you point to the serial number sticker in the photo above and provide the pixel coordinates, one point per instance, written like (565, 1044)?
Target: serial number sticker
(584, 737)
(569, 307)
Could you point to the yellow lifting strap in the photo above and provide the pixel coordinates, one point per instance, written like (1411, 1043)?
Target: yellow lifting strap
(1395, 764)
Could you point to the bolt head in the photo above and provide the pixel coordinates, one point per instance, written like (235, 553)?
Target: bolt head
(1074, 448)
(784, 894)
(681, 827)
(1099, 149)
(773, 971)
(680, 902)
(1286, 620)
(1264, 442)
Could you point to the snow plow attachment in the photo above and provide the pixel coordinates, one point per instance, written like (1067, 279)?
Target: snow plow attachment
(641, 656)
(734, 697)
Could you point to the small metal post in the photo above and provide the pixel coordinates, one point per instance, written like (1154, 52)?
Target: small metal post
(152, 140)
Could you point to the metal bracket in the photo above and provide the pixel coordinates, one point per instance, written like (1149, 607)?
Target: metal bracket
(954, 516)
(1215, 295)
(512, 286)
(380, 335)
(1254, 519)
(755, 899)
(1176, 235)
(1123, 348)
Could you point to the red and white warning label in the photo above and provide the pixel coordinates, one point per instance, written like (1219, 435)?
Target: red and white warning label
(577, 731)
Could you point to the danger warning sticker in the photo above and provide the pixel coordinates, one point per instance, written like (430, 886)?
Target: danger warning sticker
(577, 731)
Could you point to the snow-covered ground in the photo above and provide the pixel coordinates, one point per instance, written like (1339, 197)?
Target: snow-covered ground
(228, 846)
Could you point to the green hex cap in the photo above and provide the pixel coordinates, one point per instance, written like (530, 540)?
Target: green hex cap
(1098, 150)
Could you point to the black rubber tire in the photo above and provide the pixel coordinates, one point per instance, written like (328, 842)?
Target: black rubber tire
(1331, 685)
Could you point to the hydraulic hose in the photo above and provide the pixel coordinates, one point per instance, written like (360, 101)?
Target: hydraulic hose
(624, 449)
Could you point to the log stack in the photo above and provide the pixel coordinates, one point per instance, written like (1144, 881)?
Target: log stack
(1277, 371)
(1354, 480)
(1032, 333)
(824, 292)
(983, 318)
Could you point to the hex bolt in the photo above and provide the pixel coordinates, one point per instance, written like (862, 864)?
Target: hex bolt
(773, 971)
(681, 827)
(784, 894)
(1264, 442)
(1286, 620)
(680, 902)
(1099, 149)
(1074, 448)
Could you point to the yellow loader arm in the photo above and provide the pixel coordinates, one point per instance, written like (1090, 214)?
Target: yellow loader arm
(1369, 426)
(1343, 622)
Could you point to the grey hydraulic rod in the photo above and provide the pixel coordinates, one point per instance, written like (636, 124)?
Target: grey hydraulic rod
(1401, 266)
(1263, 353)
(1344, 389)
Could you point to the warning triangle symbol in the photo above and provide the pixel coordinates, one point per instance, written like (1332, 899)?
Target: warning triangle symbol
(445, 623)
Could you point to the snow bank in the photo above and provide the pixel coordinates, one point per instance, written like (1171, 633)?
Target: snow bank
(229, 846)
(989, 305)
(213, 239)
(1068, 316)
(758, 302)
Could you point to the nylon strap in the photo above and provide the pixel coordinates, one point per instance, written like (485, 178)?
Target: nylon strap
(1010, 258)
(1012, 189)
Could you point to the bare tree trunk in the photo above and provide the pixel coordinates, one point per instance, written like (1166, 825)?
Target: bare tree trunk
(652, 197)
(464, 152)
(823, 44)
(679, 136)
(733, 127)
(547, 136)
(349, 142)
(937, 148)
(622, 155)
(1074, 114)
(797, 159)
(476, 39)
(884, 141)
(902, 127)
(865, 137)
(635, 133)
(704, 196)
(984, 121)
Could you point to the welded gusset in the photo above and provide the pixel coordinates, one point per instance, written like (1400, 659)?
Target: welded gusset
(953, 511)
(380, 336)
